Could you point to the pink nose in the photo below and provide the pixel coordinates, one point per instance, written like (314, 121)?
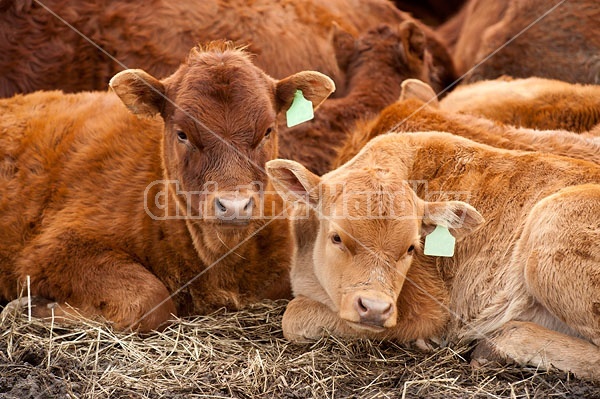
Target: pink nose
(233, 208)
(373, 311)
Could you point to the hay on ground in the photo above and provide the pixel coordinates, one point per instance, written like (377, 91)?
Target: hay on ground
(244, 355)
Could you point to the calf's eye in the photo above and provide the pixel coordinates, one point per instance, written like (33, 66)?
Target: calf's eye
(336, 239)
(181, 136)
(268, 132)
(411, 249)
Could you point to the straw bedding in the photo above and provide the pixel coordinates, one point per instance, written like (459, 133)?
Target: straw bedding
(244, 355)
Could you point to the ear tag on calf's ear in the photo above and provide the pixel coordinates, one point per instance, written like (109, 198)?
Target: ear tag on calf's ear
(300, 111)
(439, 242)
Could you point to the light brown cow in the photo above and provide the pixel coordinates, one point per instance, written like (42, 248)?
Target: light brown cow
(137, 218)
(525, 283)
(535, 103)
(523, 38)
(40, 51)
(417, 111)
(377, 64)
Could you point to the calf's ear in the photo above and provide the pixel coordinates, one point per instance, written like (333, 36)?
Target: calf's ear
(141, 92)
(415, 88)
(293, 181)
(459, 217)
(315, 87)
(344, 45)
(413, 40)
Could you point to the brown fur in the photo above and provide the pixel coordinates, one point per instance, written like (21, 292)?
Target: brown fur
(413, 115)
(378, 62)
(107, 211)
(449, 31)
(525, 282)
(41, 52)
(563, 45)
(534, 103)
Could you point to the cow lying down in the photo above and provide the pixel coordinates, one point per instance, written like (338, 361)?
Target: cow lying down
(417, 110)
(523, 279)
(134, 219)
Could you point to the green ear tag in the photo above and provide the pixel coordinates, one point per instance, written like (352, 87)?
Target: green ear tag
(439, 242)
(300, 111)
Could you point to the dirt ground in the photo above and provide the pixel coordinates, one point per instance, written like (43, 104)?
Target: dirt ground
(244, 355)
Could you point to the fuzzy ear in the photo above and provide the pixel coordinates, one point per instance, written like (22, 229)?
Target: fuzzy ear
(415, 88)
(413, 40)
(315, 87)
(293, 181)
(344, 45)
(142, 93)
(459, 217)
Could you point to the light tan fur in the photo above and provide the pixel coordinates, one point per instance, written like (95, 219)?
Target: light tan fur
(524, 278)
(415, 112)
(535, 103)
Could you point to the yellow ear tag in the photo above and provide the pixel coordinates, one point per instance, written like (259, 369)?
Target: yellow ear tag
(439, 242)
(300, 111)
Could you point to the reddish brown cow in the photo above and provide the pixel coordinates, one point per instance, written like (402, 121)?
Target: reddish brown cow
(559, 42)
(516, 269)
(533, 102)
(134, 219)
(42, 52)
(412, 114)
(377, 64)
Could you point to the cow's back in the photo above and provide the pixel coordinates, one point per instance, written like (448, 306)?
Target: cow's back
(504, 186)
(286, 36)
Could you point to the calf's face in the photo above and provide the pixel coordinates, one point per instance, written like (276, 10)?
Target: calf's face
(219, 112)
(370, 227)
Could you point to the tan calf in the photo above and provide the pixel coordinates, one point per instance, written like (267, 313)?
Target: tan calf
(533, 103)
(417, 111)
(523, 279)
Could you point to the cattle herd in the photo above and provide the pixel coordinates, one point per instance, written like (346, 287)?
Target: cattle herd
(447, 189)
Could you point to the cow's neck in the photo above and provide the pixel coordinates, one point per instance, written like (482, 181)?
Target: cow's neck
(369, 96)
(213, 246)
(428, 158)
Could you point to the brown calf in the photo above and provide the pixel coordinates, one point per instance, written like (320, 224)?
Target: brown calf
(377, 63)
(417, 111)
(556, 40)
(525, 284)
(137, 218)
(39, 51)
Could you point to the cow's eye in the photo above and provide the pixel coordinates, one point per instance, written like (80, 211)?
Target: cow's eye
(336, 239)
(181, 136)
(411, 249)
(268, 132)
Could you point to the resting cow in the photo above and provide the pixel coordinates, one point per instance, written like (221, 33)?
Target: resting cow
(377, 63)
(523, 38)
(41, 52)
(522, 279)
(134, 219)
(417, 111)
(533, 103)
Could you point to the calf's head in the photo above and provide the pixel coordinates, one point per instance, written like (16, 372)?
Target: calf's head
(370, 227)
(219, 113)
(383, 55)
